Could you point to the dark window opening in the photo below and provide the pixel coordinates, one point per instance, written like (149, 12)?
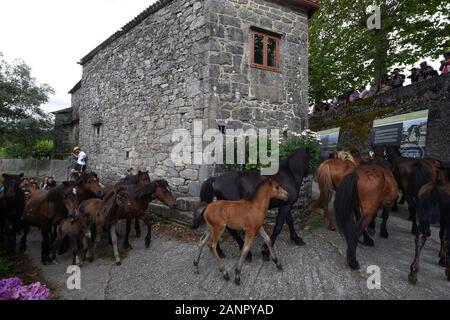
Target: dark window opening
(222, 129)
(128, 154)
(265, 50)
(98, 129)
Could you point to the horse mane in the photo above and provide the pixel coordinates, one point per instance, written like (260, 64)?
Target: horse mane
(344, 155)
(254, 192)
(298, 164)
(55, 193)
(162, 184)
(85, 177)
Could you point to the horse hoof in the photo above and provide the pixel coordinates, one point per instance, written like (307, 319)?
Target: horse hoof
(331, 227)
(369, 243)
(237, 281)
(118, 263)
(415, 231)
(279, 267)
(91, 259)
(249, 257)
(226, 276)
(138, 234)
(221, 254)
(127, 246)
(371, 232)
(412, 278)
(442, 262)
(447, 273)
(428, 233)
(147, 243)
(298, 241)
(265, 255)
(354, 265)
(384, 235)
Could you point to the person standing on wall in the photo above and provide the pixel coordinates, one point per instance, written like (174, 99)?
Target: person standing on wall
(81, 159)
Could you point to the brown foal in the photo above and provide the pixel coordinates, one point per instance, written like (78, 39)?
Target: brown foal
(248, 215)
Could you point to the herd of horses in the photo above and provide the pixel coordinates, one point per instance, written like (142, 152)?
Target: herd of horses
(364, 186)
(77, 212)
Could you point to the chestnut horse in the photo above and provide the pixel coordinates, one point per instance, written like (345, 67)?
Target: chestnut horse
(103, 213)
(12, 204)
(433, 207)
(365, 190)
(248, 215)
(329, 175)
(48, 207)
(158, 189)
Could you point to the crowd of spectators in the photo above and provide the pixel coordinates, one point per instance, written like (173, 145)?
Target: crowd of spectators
(395, 80)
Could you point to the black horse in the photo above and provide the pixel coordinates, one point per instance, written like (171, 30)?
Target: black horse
(12, 204)
(433, 206)
(236, 185)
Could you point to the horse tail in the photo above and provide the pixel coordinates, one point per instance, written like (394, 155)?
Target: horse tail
(325, 186)
(419, 177)
(199, 220)
(207, 191)
(344, 202)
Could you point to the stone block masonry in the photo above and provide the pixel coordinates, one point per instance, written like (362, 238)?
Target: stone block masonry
(186, 60)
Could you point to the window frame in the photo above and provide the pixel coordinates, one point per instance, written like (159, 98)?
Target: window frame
(266, 36)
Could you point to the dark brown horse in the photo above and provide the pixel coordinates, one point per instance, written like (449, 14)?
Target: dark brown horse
(411, 174)
(12, 204)
(159, 190)
(141, 179)
(48, 207)
(103, 213)
(362, 193)
(433, 207)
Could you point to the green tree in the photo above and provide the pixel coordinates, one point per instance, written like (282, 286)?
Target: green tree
(345, 54)
(20, 95)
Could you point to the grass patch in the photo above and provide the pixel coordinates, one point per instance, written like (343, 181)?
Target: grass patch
(314, 223)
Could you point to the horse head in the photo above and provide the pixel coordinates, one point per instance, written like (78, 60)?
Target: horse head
(124, 199)
(143, 178)
(89, 182)
(164, 194)
(70, 197)
(276, 191)
(12, 184)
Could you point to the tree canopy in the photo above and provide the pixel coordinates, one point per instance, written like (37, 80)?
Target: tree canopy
(22, 122)
(345, 54)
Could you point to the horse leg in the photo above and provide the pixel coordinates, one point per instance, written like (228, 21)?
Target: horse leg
(420, 242)
(294, 236)
(442, 233)
(281, 217)
(137, 227)
(75, 251)
(148, 237)
(363, 221)
(249, 236)
(2, 231)
(65, 245)
(220, 251)
(212, 243)
(412, 214)
(126, 243)
(45, 256)
(12, 230)
(201, 244)
(372, 225)
(93, 243)
(59, 238)
(267, 241)
(383, 228)
(240, 242)
(113, 234)
(23, 240)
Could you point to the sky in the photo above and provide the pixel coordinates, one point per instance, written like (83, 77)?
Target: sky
(51, 36)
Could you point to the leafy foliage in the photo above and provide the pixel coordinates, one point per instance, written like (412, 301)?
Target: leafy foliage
(22, 122)
(345, 54)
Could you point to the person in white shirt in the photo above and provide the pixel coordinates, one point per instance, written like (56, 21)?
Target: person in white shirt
(81, 157)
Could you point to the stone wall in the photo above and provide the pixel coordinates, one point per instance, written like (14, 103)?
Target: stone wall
(143, 86)
(66, 136)
(59, 169)
(249, 97)
(188, 60)
(355, 119)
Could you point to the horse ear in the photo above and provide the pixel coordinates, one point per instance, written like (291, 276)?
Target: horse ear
(21, 175)
(66, 183)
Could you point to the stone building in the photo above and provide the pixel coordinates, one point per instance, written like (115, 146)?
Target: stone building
(230, 63)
